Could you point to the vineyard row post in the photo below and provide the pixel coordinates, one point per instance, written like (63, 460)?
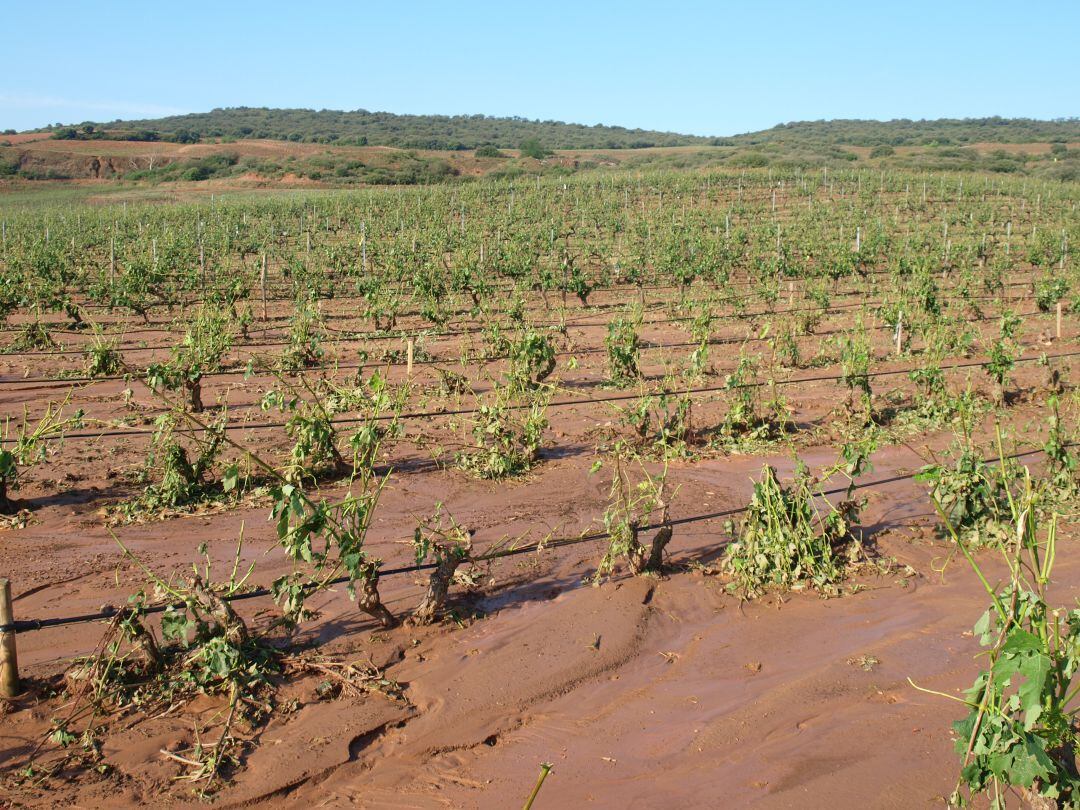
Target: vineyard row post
(9, 659)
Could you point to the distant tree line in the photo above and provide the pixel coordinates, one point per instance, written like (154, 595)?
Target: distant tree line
(463, 132)
(93, 132)
(907, 132)
(361, 128)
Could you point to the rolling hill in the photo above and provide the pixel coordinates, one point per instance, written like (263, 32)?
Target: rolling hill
(363, 128)
(270, 147)
(463, 132)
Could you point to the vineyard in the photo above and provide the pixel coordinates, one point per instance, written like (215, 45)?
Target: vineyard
(685, 483)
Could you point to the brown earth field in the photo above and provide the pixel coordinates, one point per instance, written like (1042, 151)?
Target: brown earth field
(102, 163)
(642, 692)
(25, 137)
(105, 161)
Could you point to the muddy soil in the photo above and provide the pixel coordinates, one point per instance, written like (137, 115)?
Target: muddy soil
(642, 692)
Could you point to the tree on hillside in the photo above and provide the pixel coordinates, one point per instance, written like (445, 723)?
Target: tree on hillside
(531, 147)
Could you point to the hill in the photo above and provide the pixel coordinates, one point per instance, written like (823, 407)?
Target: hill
(908, 132)
(464, 132)
(363, 128)
(330, 149)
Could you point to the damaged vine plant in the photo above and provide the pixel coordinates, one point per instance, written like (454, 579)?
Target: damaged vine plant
(26, 443)
(205, 648)
(976, 495)
(1020, 733)
(184, 468)
(314, 411)
(443, 543)
(662, 424)
(323, 537)
(201, 351)
(508, 431)
(750, 422)
(634, 507)
(787, 541)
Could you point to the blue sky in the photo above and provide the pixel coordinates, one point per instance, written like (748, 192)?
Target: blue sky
(715, 68)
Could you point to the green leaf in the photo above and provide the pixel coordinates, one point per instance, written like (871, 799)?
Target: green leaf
(982, 628)
(175, 625)
(1029, 762)
(230, 478)
(1023, 654)
(1021, 641)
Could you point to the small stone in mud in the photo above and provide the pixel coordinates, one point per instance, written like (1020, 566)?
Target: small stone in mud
(864, 662)
(754, 667)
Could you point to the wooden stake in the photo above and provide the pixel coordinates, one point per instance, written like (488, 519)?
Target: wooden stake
(9, 659)
(262, 282)
(410, 347)
(363, 247)
(899, 333)
(1059, 320)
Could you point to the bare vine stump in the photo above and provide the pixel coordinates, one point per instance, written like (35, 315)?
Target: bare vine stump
(369, 601)
(642, 561)
(7, 506)
(195, 395)
(144, 642)
(545, 372)
(1053, 381)
(236, 632)
(438, 587)
(659, 543)
(1000, 397)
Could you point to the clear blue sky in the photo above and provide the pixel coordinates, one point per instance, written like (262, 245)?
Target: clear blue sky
(714, 68)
